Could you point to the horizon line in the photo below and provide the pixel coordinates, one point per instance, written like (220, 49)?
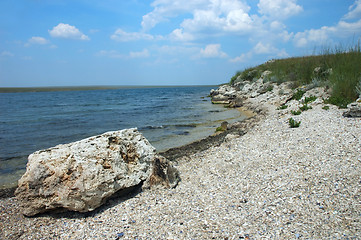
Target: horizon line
(89, 87)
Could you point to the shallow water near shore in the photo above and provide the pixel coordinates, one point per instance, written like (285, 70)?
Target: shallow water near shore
(167, 116)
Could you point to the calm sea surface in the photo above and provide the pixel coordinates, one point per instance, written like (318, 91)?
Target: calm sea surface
(168, 117)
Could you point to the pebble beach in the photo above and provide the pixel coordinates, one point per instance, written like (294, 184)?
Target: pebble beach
(273, 182)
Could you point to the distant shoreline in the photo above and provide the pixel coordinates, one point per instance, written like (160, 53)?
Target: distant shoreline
(84, 88)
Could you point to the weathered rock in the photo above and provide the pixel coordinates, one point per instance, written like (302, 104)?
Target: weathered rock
(220, 99)
(80, 176)
(265, 74)
(237, 102)
(163, 174)
(354, 109)
(223, 95)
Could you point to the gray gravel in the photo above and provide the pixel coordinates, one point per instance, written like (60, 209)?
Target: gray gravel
(273, 182)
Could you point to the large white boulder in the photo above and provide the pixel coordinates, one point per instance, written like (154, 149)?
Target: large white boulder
(80, 176)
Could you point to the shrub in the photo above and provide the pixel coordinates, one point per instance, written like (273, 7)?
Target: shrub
(339, 101)
(293, 123)
(305, 107)
(310, 99)
(284, 106)
(326, 108)
(219, 129)
(298, 95)
(358, 88)
(234, 78)
(296, 112)
(269, 88)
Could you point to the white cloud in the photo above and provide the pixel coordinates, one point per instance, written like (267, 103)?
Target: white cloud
(38, 40)
(63, 30)
(213, 51)
(326, 33)
(220, 16)
(240, 59)
(179, 35)
(122, 36)
(7, 54)
(354, 11)
(165, 9)
(207, 17)
(262, 48)
(142, 54)
(279, 9)
(345, 28)
(116, 54)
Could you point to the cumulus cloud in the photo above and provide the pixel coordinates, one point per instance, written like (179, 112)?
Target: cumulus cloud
(38, 40)
(325, 33)
(279, 9)
(321, 35)
(115, 54)
(264, 48)
(216, 16)
(179, 35)
(63, 30)
(354, 11)
(122, 36)
(165, 9)
(240, 59)
(213, 51)
(261, 48)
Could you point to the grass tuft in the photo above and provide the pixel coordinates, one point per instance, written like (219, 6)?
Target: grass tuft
(282, 107)
(305, 107)
(298, 95)
(293, 123)
(310, 99)
(296, 112)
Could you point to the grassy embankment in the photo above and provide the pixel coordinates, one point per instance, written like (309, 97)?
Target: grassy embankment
(338, 69)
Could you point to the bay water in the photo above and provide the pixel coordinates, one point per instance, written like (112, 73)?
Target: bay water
(167, 116)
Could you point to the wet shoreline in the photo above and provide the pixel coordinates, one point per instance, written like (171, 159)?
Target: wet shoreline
(238, 128)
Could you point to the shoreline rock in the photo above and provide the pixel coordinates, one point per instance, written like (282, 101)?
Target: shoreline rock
(82, 175)
(354, 109)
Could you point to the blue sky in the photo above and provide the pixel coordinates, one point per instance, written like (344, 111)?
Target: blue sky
(161, 42)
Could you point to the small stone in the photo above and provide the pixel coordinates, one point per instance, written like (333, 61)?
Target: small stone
(119, 235)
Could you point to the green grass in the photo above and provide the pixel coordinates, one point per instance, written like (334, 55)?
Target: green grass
(282, 107)
(338, 68)
(305, 107)
(298, 95)
(310, 99)
(293, 123)
(219, 129)
(296, 112)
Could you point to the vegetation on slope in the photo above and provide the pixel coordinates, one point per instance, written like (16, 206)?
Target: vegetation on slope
(338, 69)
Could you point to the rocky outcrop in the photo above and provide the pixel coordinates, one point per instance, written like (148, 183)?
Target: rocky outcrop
(353, 109)
(235, 94)
(80, 176)
(223, 95)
